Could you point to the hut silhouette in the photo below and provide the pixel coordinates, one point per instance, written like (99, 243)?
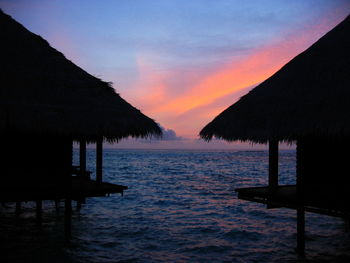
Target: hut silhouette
(46, 103)
(308, 102)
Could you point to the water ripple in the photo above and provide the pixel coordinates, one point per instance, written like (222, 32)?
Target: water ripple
(180, 207)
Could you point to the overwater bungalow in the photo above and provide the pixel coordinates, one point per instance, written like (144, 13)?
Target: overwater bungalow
(306, 102)
(46, 104)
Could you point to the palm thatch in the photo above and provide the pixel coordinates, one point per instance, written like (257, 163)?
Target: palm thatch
(42, 92)
(309, 96)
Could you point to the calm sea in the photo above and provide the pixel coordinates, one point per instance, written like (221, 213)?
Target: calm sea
(180, 207)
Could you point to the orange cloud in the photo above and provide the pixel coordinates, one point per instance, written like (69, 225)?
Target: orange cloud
(238, 75)
(179, 112)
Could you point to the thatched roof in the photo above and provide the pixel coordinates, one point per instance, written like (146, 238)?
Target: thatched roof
(309, 96)
(42, 92)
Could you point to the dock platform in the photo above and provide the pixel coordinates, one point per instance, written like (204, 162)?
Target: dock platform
(328, 201)
(80, 188)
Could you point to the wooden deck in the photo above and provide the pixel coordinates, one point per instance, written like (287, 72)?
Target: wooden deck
(316, 199)
(80, 188)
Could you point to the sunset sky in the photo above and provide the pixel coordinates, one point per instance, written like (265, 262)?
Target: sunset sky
(180, 62)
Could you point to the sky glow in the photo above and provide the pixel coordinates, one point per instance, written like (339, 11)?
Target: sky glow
(180, 62)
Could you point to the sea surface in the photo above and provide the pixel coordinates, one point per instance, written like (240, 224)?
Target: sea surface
(180, 207)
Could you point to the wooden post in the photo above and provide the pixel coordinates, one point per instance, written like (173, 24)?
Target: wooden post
(273, 164)
(39, 206)
(68, 217)
(300, 202)
(57, 204)
(99, 160)
(68, 197)
(82, 164)
(301, 231)
(82, 157)
(78, 205)
(299, 176)
(18, 208)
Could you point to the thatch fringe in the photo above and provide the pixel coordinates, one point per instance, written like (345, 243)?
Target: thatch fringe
(42, 92)
(309, 96)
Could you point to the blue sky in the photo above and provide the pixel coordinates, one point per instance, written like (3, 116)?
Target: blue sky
(180, 62)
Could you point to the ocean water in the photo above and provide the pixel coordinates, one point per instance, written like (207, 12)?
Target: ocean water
(180, 207)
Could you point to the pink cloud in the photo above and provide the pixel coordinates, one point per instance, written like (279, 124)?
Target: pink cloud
(202, 99)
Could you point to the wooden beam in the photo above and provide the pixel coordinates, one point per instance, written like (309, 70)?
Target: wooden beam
(57, 204)
(82, 164)
(273, 164)
(299, 172)
(82, 156)
(69, 165)
(39, 212)
(68, 217)
(68, 197)
(300, 201)
(68, 172)
(301, 231)
(78, 205)
(99, 155)
(18, 208)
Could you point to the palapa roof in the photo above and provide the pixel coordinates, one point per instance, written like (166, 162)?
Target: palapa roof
(42, 92)
(309, 96)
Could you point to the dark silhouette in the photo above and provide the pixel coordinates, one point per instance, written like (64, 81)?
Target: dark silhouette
(307, 102)
(46, 103)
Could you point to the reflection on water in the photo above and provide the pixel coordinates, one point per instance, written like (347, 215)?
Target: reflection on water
(180, 207)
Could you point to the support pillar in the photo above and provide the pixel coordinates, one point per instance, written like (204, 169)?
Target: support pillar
(18, 208)
(68, 197)
(68, 217)
(300, 200)
(39, 212)
(83, 175)
(301, 231)
(82, 157)
(78, 205)
(273, 164)
(99, 154)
